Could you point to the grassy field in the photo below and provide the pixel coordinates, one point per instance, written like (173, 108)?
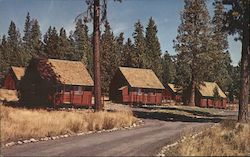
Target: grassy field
(19, 124)
(225, 139)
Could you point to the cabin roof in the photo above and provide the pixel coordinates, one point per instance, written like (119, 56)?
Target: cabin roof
(71, 72)
(141, 78)
(207, 89)
(174, 88)
(18, 71)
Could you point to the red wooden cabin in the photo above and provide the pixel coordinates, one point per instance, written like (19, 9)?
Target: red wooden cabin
(136, 86)
(57, 82)
(13, 77)
(172, 93)
(205, 96)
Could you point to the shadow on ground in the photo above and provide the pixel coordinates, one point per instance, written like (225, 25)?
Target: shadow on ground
(163, 116)
(194, 112)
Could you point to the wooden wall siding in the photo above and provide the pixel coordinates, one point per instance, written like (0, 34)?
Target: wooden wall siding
(10, 82)
(74, 98)
(143, 98)
(168, 96)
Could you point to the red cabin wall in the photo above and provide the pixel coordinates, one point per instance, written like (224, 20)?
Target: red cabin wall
(79, 99)
(142, 98)
(10, 82)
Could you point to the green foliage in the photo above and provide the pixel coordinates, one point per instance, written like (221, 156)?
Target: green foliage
(126, 54)
(169, 69)
(109, 57)
(153, 49)
(13, 50)
(138, 56)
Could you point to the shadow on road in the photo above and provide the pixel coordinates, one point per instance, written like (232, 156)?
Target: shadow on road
(194, 112)
(175, 117)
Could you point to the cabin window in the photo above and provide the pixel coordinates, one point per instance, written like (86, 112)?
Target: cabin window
(68, 88)
(78, 89)
(139, 91)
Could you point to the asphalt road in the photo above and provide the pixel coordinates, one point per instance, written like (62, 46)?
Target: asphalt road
(145, 140)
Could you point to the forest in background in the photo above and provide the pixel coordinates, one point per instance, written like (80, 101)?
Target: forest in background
(142, 50)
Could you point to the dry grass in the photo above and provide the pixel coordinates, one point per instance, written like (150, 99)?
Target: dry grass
(226, 139)
(18, 124)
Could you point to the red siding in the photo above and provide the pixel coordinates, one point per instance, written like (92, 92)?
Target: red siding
(81, 99)
(9, 82)
(168, 95)
(143, 98)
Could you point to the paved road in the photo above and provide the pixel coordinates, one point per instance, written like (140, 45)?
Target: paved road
(145, 140)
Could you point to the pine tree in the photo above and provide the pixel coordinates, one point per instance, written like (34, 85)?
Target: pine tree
(169, 70)
(64, 45)
(238, 22)
(193, 43)
(5, 55)
(153, 49)
(81, 41)
(138, 56)
(119, 48)
(27, 36)
(36, 39)
(108, 57)
(127, 52)
(16, 54)
(222, 60)
(51, 41)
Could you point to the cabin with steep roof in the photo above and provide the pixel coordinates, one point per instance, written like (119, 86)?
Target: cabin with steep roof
(56, 82)
(13, 77)
(209, 94)
(135, 86)
(172, 92)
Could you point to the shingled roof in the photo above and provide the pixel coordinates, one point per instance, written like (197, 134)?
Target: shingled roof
(174, 88)
(207, 89)
(141, 78)
(18, 71)
(70, 72)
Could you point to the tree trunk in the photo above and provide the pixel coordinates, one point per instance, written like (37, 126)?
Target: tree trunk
(96, 54)
(244, 87)
(191, 101)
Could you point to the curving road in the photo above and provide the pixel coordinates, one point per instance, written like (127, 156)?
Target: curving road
(145, 140)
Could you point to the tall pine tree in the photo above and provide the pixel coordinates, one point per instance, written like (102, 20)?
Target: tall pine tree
(193, 43)
(153, 49)
(108, 57)
(138, 56)
(16, 54)
(35, 39)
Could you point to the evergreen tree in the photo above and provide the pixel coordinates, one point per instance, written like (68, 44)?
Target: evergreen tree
(222, 60)
(16, 54)
(81, 40)
(138, 56)
(169, 71)
(35, 39)
(27, 36)
(108, 57)
(5, 55)
(64, 45)
(119, 48)
(126, 55)
(193, 43)
(153, 49)
(51, 41)
(238, 22)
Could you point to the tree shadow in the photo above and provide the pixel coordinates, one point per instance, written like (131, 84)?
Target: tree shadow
(194, 112)
(163, 116)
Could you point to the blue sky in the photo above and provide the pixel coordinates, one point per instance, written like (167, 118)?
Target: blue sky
(122, 16)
